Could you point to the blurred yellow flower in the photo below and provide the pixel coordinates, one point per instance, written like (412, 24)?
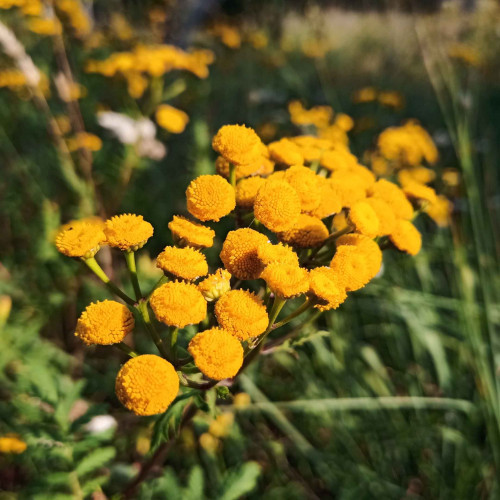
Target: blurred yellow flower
(127, 232)
(172, 119)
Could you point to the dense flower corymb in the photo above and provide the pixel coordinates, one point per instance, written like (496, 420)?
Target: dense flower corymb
(185, 263)
(189, 233)
(216, 353)
(104, 323)
(127, 232)
(80, 239)
(178, 304)
(147, 384)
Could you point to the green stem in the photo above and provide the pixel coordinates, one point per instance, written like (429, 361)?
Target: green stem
(332, 236)
(303, 307)
(173, 333)
(126, 349)
(98, 271)
(130, 258)
(160, 282)
(143, 309)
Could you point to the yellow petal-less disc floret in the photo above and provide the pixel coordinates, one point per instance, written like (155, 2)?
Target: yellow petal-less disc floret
(367, 247)
(210, 197)
(147, 384)
(269, 253)
(440, 211)
(385, 215)
(185, 263)
(307, 232)
(364, 219)
(172, 119)
(80, 239)
(277, 205)
(12, 443)
(214, 286)
(286, 280)
(329, 199)
(420, 192)
(394, 197)
(178, 304)
(189, 233)
(285, 152)
(216, 353)
(350, 188)
(239, 253)
(242, 314)
(338, 158)
(305, 183)
(104, 323)
(325, 289)
(351, 267)
(246, 191)
(422, 175)
(261, 166)
(238, 144)
(406, 237)
(127, 231)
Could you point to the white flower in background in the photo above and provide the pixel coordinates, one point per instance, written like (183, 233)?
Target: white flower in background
(141, 133)
(101, 423)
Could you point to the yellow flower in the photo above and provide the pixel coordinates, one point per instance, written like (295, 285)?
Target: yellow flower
(440, 211)
(47, 27)
(216, 353)
(221, 426)
(127, 232)
(312, 148)
(344, 122)
(340, 221)
(269, 253)
(351, 269)
(366, 94)
(285, 152)
(238, 144)
(80, 239)
(241, 400)
(417, 174)
(364, 219)
(338, 158)
(451, 177)
(84, 140)
(210, 197)
(325, 288)
(246, 191)
(277, 205)
(307, 232)
(178, 304)
(209, 443)
(305, 182)
(406, 237)
(421, 192)
(350, 188)
(394, 197)
(214, 286)
(259, 166)
(104, 323)
(242, 314)
(172, 119)
(147, 384)
(391, 99)
(185, 263)
(286, 280)
(239, 253)
(385, 215)
(12, 443)
(329, 199)
(367, 247)
(191, 234)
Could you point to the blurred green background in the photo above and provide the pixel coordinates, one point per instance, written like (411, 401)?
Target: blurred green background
(427, 327)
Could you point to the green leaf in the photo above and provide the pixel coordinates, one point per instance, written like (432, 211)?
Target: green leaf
(223, 393)
(239, 482)
(94, 485)
(195, 485)
(94, 460)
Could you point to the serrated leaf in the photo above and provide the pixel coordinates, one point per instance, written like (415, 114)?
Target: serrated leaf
(94, 460)
(93, 485)
(239, 482)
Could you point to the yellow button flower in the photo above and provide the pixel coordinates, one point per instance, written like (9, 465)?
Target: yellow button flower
(305, 182)
(80, 239)
(246, 191)
(339, 158)
(394, 197)
(286, 280)
(238, 144)
(350, 188)
(420, 192)
(385, 215)
(406, 237)
(350, 265)
(277, 205)
(417, 174)
(330, 201)
(366, 246)
(172, 119)
(12, 443)
(258, 166)
(147, 384)
(285, 152)
(178, 304)
(214, 286)
(191, 234)
(364, 219)
(242, 314)
(269, 253)
(440, 211)
(239, 253)
(325, 288)
(127, 231)
(307, 232)
(210, 197)
(104, 323)
(216, 353)
(185, 263)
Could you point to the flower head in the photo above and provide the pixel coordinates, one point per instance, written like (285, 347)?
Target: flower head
(80, 239)
(191, 234)
(210, 197)
(214, 286)
(239, 253)
(238, 144)
(307, 232)
(406, 237)
(172, 119)
(147, 384)
(394, 197)
(305, 183)
(416, 174)
(350, 188)
(286, 280)
(178, 304)
(420, 192)
(350, 266)
(185, 263)
(216, 353)
(285, 152)
(366, 246)
(364, 219)
(330, 201)
(127, 231)
(12, 443)
(440, 211)
(269, 253)
(277, 205)
(242, 314)
(385, 215)
(324, 286)
(104, 323)
(246, 191)
(260, 166)
(339, 158)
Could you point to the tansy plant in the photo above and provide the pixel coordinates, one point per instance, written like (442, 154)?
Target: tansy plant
(310, 226)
